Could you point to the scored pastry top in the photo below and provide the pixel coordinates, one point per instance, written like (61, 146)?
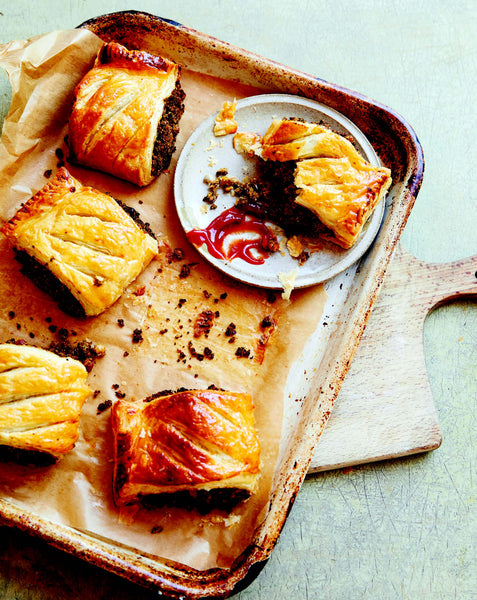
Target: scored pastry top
(41, 396)
(84, 238)
(190, 440)
(118, 106)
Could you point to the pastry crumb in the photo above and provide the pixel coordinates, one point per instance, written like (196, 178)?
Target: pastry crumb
(294, 246)
(247, 143)
(288, 282)
(225, 122)
(211, 146)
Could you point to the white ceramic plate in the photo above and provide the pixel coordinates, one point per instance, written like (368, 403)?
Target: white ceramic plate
(203, 154)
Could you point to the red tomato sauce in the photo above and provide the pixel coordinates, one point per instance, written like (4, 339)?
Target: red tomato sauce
(234, 234)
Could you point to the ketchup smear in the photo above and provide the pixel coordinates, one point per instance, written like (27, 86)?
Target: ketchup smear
(227, 237)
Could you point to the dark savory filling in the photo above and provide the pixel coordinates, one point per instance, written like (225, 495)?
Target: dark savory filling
(26, 457)
(44, 279)
(167, 130)
(203, 501)
(270, 195)
(136, 217)
(47, 282)
(84, 351)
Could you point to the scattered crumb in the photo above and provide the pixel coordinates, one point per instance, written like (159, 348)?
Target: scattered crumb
(137, 336)
(242, 352)
(231, 330)
(211, 146)
(203, 323)
(104, 406)
(140, 291)
(157, 529)
(266, 322)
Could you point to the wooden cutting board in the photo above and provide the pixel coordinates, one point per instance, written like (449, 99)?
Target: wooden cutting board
(385, 407)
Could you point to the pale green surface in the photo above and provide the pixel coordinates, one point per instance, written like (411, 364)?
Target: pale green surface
(405, 529)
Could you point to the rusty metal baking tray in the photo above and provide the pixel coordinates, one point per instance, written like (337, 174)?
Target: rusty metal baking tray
(398, 148)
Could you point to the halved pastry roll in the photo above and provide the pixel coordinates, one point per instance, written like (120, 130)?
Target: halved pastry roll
(41, 396)
(199, 442)
(79, 245)
(341, 194)
(330, 177)
(126, 114)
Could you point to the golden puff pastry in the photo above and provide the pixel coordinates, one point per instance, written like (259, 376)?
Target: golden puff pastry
(189, 441)
(288, 139)
(79, 245)
(285, 139)
(341, 194)
(126, 114)
(41, 396)
(331, 177)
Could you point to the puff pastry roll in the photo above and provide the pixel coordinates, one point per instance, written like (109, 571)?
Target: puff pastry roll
(79, 245)
(331, 177)
(41, 396)
(126, 114)
(191, 441)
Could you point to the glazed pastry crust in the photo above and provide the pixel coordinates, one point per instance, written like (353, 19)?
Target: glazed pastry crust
(84, 238)
(41, 396)
(341, 194)
(186, 441)
(332, 179)
(118, 106)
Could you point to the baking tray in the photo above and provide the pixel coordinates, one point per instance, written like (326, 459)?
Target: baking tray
(351, 298)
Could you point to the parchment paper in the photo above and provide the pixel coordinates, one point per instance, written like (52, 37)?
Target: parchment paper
(77, 491)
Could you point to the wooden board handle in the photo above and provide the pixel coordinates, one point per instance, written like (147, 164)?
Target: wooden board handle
(433, 283)
(385, 407)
